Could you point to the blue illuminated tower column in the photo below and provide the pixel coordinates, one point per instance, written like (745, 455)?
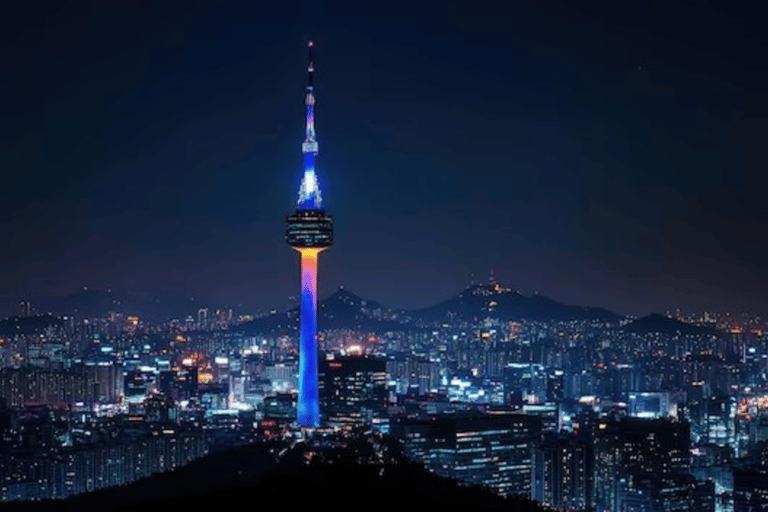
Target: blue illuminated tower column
(309, 231)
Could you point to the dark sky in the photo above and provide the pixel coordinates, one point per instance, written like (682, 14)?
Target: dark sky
(600, 153)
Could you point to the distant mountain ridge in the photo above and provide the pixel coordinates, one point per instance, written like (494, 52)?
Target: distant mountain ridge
(341, 310)
(345, 310)
(156, 306)
(655, 323)
(480, 301)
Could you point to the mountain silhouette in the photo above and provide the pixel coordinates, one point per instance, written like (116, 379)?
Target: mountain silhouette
(482, 301)
(656, 323)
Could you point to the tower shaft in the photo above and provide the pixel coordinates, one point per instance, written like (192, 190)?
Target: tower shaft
(308, 412)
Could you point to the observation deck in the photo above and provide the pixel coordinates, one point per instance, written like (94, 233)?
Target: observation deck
(308, 229)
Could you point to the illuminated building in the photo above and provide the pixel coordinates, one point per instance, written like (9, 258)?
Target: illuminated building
(282, 376)
(136, 385)
(493, 450)
(641, 460)
(563, 472)
(517, 382)
(413, 373)
(159, 409)
(652, 405)
(309, 231)
(83, 383)
(214, 395)
(555, 386)
(353, 389)
(280, 407)
(178, 384)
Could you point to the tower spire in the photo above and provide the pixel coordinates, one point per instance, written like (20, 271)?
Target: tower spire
(310, 142)
(311, 66)
(309, 193)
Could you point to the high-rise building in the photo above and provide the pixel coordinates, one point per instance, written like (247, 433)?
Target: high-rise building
(750, 482)
(280, 407)
(353, 389)
(310, 231)
(652, 405)
(563, 471)
(641, 460)
(413, 373)
(493, 450)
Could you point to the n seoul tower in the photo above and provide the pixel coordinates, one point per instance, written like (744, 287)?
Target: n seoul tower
(309, 231)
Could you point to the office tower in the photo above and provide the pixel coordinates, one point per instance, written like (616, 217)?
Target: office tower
(750, 481)
(517, 383)
(563, 471)
(413, 373)
(493, 449)
(280, 407)
(353, 389)
(641, 460)
(310, 231)
(555, 386)
(652, 405)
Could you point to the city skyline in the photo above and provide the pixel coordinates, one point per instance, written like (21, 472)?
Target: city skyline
(549, 212)
(152, 149)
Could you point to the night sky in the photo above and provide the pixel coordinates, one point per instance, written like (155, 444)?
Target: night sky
(600, 153)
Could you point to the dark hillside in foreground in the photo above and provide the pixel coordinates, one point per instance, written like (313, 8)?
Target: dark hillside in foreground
(249, 476)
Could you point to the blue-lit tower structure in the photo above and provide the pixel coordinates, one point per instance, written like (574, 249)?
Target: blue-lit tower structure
(309, 231)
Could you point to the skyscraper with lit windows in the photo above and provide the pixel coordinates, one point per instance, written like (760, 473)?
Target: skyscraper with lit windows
(309, 231)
